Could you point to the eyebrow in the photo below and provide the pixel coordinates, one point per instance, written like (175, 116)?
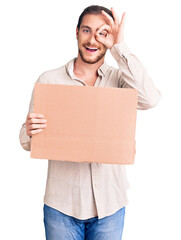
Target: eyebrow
(85, 27)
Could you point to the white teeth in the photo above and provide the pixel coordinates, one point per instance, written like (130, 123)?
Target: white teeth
(92, 48)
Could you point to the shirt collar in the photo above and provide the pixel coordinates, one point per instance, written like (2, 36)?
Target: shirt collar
(70, 69)
(103, 69)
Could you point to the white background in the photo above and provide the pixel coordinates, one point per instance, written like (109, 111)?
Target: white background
(37, 36)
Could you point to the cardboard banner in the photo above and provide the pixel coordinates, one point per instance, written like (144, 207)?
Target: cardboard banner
(85, 123)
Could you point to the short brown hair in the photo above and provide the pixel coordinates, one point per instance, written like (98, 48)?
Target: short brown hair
(93, 9)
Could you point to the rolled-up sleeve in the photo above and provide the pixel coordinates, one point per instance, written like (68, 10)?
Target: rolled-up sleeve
(25, 140)
(134, 75)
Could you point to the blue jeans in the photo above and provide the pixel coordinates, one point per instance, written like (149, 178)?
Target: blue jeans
(59, 226)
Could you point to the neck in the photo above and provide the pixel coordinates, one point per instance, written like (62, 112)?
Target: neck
(83, 68)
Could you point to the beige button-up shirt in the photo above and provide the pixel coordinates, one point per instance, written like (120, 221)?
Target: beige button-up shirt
(85, 190)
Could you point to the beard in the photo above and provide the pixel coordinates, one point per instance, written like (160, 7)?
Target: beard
(93, 61)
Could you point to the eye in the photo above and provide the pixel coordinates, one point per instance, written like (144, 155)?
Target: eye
(86, 30)
(103, 33)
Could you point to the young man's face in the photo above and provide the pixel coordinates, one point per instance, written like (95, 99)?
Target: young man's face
(90, 50)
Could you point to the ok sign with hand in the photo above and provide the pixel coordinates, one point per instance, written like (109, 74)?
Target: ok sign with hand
(112, 33)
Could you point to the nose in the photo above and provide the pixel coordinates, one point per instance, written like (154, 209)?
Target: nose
(92, 39)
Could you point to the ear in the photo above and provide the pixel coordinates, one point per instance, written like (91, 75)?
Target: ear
(77, 31)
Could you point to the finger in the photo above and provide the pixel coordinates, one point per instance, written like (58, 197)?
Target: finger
(37, 126)
(35, 131)
(123, 19)
(35, 115)
(116, 19)
(108, 17)
(104, 27)
(121, 27)
(36, 120)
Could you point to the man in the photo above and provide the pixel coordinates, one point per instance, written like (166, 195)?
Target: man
(82, 200)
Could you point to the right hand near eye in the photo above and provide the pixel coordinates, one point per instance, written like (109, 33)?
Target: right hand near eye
(35, 123)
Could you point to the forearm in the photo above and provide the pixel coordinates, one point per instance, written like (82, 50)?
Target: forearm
(134, 75)
(25, 140)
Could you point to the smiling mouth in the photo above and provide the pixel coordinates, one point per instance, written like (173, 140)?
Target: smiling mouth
(91, 49)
